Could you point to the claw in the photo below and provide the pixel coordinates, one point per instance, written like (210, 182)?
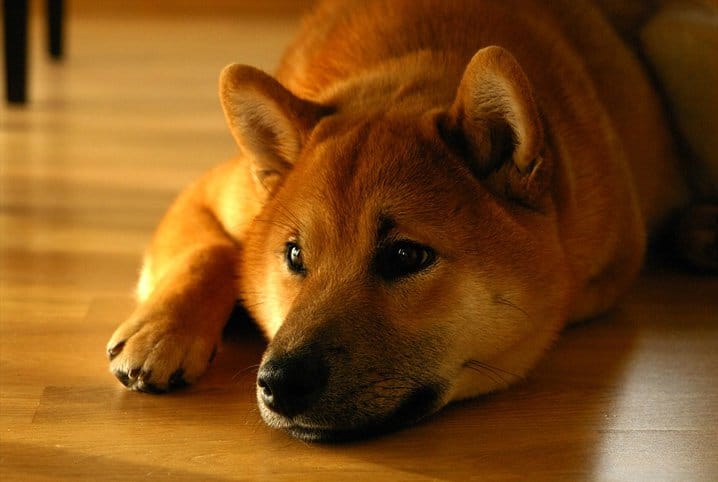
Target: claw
(177, 379)
(115, 350)
(142, 386)
(123, 378)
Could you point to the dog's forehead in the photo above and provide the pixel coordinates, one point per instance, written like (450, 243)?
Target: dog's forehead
(350, 183)
(387, 160)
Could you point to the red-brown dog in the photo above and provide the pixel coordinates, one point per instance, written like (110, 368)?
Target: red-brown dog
(427, 192)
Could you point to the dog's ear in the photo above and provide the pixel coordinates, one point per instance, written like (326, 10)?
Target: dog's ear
(269, 123)
(495, 121)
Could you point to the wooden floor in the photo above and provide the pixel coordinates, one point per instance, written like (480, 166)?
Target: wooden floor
(88, 167)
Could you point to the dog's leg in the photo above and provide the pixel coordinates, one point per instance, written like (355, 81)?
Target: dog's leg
(680, 44)
(188, 285)
(186, 293)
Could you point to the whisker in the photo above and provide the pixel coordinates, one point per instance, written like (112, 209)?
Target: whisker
(492, 367)
(253, 305)
(487, 373)
(503, 301)
(285, 211)
(395, 383)
(275, 222)
(487, 369)
(243, 371)
(298, 224)
(255, 293)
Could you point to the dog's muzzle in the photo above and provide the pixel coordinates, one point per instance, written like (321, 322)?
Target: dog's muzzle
(290, 384)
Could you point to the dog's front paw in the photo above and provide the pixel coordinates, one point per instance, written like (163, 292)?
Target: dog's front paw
(155, 357)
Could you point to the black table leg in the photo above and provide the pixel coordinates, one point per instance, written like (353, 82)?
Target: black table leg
(54, 27)
(15, 15)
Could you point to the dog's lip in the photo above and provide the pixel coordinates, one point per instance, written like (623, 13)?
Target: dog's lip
(310, 432)
(421, 403)
(319, 434)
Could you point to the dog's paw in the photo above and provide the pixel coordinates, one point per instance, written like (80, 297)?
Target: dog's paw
(157, 357)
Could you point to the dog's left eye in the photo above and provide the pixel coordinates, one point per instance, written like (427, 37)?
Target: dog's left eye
(403, 258)
(293, 258)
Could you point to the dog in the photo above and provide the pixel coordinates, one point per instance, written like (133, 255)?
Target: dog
(426, 193)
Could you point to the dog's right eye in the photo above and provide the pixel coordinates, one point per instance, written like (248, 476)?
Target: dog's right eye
(403, 258)
(294, 259)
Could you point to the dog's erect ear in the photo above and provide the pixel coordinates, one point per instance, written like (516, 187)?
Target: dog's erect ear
(269, 123)
(495, 120)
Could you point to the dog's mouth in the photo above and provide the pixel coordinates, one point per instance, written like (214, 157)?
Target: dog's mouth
(324, 435)
(419, 404)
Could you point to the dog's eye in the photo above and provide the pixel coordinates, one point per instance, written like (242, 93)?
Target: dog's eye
(403, 258)
(293, 257)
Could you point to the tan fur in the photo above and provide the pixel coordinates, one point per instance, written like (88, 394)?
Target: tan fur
(520, 140)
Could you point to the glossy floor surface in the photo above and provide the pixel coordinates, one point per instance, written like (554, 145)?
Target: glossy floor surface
(87, 169)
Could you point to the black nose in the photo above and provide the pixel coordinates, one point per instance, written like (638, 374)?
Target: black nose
(290, 384)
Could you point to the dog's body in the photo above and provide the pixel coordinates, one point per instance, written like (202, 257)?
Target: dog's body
(425, 196)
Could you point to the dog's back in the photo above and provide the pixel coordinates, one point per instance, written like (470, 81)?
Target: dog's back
(557, 43)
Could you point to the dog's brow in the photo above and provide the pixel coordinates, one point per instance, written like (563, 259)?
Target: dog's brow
(385, 225)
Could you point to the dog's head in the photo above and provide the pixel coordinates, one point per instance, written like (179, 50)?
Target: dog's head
(405, 256)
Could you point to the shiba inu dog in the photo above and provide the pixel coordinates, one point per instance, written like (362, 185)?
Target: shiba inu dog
(426, 193)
